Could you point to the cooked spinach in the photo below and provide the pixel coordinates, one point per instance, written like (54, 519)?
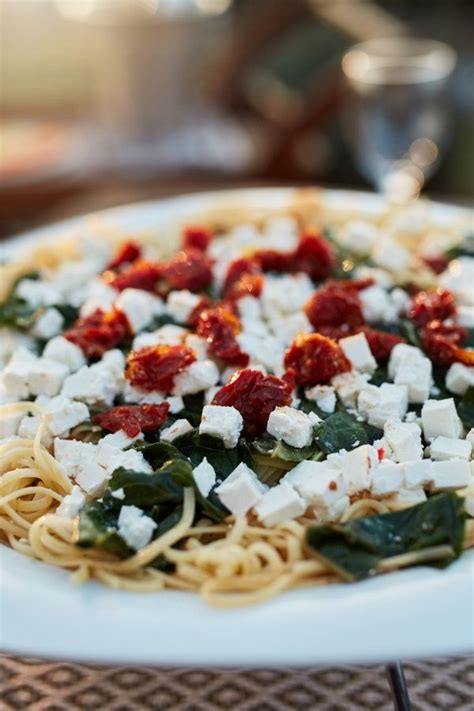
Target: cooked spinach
(162, 320)
(164, 486)
(340, 431)
(17, 313)
(280, 450)
(224, 461)
(465, 408)
(193, 405)
(431, 532)
(97, 528)
(307, 406)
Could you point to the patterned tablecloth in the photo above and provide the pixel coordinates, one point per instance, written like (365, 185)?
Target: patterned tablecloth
(35, 685)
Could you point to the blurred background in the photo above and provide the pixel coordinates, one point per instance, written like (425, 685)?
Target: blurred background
(109, 101)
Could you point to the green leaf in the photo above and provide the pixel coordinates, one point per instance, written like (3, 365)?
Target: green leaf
(307, 406)
(193, 405)
(17, 313)
(465, 408)
(157, 453)
(97, 527)
(431, 532)
(409, 332)
(165, 486)
(275, 449)
(340, 431)
(224, 461)
(162, 320)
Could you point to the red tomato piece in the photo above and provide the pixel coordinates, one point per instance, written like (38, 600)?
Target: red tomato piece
(315, 256)
(133, 419)
(315, 359)
(349, 284)
(97, 333)
(437, 264)
(271, 260)
(141, 275)
(155, 367)
(334, 307)
(127, 253)
(443, 343)
(220, 326)
(204, 303)
(189, 269)
(244, 278)
(197, 237)
(381, 343)
(432, 306)
(255, 396)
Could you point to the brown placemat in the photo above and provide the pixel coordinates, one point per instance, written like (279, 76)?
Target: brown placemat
(35, 685)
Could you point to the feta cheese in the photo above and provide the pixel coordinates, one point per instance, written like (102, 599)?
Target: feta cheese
(319, 483)
(10, 340)
(98, 383)
(198, 345)
(131, 393)
(181, 304)
(380, 276)
(177, 429)
(9, 425)
(63, 351)
(358, 236)
(324, 397)
(249, 309)
(440, 418)
(176, 403)
(226, 423)
(409, 497)
(387, 478)
(357, 466)
(63, 414)
(285, 294)
(281, 503)
(356, 349)
(49, 324)
(286, 328)
(452, 474)
(135, 527)
(418, 473)
(139, 307)
(292, 426)
(465, 316)
(130, 459)
(459, 378)
(120, 439)
(78, 459)
(14, 377)
(403, 353)
(417, 376)
(389, 254)
(444, 448)
(118, 494)
(404, 440)
(71, 504)
(29, 427)
(204, 476)
(200, 375)
(267, 350)
(377, 405)
(470, 436)
(459, 278)
(349, 385)
(170, 334)
(376, 304)
(241, 490)
(45, 377)
(99, 296)
(37, 292)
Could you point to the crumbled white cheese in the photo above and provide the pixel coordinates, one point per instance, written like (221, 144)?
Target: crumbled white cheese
(376, 304)
(281, 503)
(139, 307)
(440, 418)
(49, 324)
(357, 466)
(417, 376)
(38, 293)
(404, 440)
(450, 474)
(176, 403)
(204, 476)
(181, 304)
(99, 296)
(379, 404)
(135, 527)
(444, 448)
(349, 385)
(389, 254)
(459, 378)
(459, 278)
(198, 345)
(387, 478)
(226, 423)
(200, 375)
(177, 429)
(358, 236)
(98, 383)
(170, 334)
(324, 397)
(292, 426)
(9, 425)
(65, 352)
(241, 490)
(356, 349)
(71, 504)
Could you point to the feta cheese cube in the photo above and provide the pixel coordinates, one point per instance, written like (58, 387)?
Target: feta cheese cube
(440, 418)
(10, 340)
(9, 425)
(249, 309)
(452, 474)
(200, 375)
(319, 483)
(29, 427)
(418, 473)
(403, 353)
(356, 349)
(465, 316)
(226, 423)
(267, 350)
(324, 397)
(71, 504)
(358, 236)
(49, 324)
(98, 383)
(118, 494)
(63, 414)
(349, 385)
(444, 448)
(376, 304)
(130, 459)
(357, 467)
(389, 254)
(37, 292)
(292, 426)
(135, 527)
(65, 352)
(387, 478)
(241, 490)
(99, 295)
(120, 439)
(204, 476)
(281, 503)
(404, 440)
(377, 405)
(459, 278)
(198, 345)
(46, 376)
(181, 304)
(459, 378)
(380, 276)
(286, 328)
(78, 459)
(131, 393)
(470, 436)
(139, 307)
(409, 497)
(417, 376)
(285, 294)
(210, 394)
(176, 403)
(177, 429)
(15, 376)
(170, 334)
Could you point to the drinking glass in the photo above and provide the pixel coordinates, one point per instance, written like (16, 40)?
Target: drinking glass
(397, 117)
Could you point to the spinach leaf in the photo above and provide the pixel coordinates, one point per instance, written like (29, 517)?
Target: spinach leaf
(340, 431)
(308, 406)
(280, 450)
(17, 313)
(157, 453)
(431, 532)
(164, 486)
(193, 405)
(69, 314)
(162, 320)
(410, 333)
(98, 527)
(224, 461)
(465, 408)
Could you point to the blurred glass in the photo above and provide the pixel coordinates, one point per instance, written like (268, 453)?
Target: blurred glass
(397, 115)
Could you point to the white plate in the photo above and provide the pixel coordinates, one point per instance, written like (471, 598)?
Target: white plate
(420, 612)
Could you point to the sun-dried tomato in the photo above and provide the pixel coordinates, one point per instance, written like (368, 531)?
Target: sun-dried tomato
(334, 307)
(127, 253)
(443, 343)
(432, 306)
(315, 256)
(271, 260)
(381, 343)
(133, 419)
(219, 326)
(140, 275)
(99, 332)
(244, 278)
(255, 396)
(349, 284)
(196, 237)
(437, 264)
(189, 269)
(155, 367)
(204, 303)
(315, 359)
